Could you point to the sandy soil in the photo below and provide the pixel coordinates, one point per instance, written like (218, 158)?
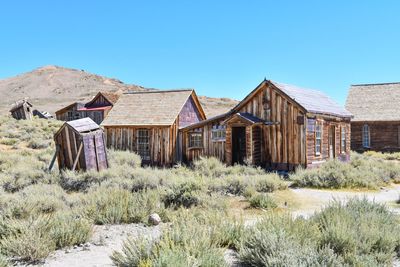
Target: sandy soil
(97, 251)
(314, 199)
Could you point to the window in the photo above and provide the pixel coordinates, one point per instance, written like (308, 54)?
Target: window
(195, 140)
(343, 140)
(366, 136)
(318, 138)
(70, 116)
(143, 144)
(218, 133)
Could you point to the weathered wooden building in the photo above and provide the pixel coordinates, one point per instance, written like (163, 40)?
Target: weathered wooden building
(22, 110)
(80, 145)
(277, 126)
(96, 109)
(148, 123)
(376, 122)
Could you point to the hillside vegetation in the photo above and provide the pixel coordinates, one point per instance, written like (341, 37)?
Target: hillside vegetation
(41, 211)
(52, 87)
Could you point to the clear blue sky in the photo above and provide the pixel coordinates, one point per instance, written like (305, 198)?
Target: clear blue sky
(220, 48)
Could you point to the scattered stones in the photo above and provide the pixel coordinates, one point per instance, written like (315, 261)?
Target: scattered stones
(154, 219)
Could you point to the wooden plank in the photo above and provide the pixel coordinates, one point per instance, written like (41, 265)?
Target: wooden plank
(77, 157)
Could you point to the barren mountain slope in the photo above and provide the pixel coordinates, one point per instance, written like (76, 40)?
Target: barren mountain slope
(51, 87)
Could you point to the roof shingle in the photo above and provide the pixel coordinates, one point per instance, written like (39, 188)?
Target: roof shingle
(147, 108)
(374, 102)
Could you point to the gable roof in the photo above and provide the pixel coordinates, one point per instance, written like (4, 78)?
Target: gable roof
(310, 100)
(374, 102)
(158, 108)
(112, 98)
(248, 118)
(19, 104)
(77, 104)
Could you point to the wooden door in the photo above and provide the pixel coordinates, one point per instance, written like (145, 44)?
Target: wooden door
(238, 145)
(332, 142)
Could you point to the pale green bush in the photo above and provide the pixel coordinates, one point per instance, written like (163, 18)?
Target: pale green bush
(360, 172)
(263, 201)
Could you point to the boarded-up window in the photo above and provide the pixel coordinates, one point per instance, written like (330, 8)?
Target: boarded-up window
(218, 133)
(143, 144)
(343, 140)
(70, 116)
(318, 138)
(195, 140)
(366, 136)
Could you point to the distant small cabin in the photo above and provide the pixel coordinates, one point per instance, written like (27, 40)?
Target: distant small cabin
(80, 145)
(22, 110)
(148, 123)
(376, 122)
(42, 114)
(96, 109)
(277, 126)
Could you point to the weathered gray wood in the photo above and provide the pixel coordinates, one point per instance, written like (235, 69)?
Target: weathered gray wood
(77, 156)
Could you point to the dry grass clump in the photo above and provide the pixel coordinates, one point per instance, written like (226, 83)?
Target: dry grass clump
(360, 172)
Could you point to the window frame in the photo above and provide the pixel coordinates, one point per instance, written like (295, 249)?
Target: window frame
(366, 136)
(318, 139)
(197, 143)
(143, 140)
(218, 133)
(343, 139)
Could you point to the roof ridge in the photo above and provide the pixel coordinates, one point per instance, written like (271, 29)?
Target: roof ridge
(372, 84)
(158, 91)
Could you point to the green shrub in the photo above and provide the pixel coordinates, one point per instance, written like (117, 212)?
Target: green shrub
(182, 195)
(262, 201)
(38, 144)
(3, 261)
(135, 252)
(123, 158)
(361, 172)
(358, 233)
(177, 246)
(28, 240)
(69, 229)
(114, 206)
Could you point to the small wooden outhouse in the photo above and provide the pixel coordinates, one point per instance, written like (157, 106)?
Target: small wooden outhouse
(80, 146)
(22, 110)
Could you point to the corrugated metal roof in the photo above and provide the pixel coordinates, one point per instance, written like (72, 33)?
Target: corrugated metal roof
(147, 108)
(374, 102)
(312, 100)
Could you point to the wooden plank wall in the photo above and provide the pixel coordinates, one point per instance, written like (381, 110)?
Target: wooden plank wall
(162, 141)
(327, 123)
(100, 101)
(210, 148)
(384, 136)
(284, 143)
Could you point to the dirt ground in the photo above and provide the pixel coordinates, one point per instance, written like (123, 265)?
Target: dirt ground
(301, 202)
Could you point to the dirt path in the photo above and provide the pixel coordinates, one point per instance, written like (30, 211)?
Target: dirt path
(314, 200)
(97, 251)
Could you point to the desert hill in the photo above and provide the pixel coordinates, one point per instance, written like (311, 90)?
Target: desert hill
(52, 87)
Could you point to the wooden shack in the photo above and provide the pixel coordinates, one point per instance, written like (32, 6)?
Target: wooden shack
(96, 109)
(148, 123)
(80, 145)
(22, 110)
(277, 126)
(70, 112)
(376, 122)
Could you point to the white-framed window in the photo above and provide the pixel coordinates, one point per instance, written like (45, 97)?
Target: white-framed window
(343, 139)
(195, 140)
(143, 143)
(218, 133)
(318, 138)
(366, 140)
